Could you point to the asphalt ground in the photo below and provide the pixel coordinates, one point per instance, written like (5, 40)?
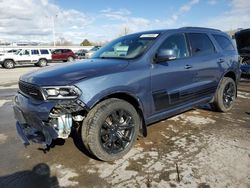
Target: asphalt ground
(199, 148)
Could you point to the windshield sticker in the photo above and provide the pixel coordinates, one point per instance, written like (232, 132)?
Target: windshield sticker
(149, 35)
(121, 49)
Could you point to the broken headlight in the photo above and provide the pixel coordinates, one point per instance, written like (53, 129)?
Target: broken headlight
(61, 92)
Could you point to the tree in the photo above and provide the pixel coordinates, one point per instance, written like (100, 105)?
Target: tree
(85, 42)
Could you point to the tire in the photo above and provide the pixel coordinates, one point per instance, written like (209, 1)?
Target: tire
(110, 129)
(9, 64)
(42, 63)
(70, 59)
(225, 95)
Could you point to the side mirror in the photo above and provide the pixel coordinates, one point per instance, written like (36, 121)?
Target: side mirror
(165, 55)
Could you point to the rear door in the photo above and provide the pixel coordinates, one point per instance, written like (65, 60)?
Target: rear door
(207, 65)
(35, 55)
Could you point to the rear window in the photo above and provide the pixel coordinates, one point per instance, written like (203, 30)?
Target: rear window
(200, 44)
(224, 42)
(44, 51)
(34, 52)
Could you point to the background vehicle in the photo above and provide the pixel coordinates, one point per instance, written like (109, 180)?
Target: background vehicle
(91, 52)
(130, 83)
(63, 55)
(39, 57)
(81, 54)
(243, 44)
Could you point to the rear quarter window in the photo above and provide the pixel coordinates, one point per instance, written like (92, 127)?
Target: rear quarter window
(200, 44)
(44, 51)
(224, 42)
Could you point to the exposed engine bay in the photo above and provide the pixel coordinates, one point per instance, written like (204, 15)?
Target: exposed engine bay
(64, 115)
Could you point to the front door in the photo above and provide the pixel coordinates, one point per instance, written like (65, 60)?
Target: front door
(170, 80)
(24, 56)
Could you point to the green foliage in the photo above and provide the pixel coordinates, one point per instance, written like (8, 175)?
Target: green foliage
(85, 42)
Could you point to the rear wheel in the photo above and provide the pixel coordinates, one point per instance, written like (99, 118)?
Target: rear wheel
(110, 129)
(225, 95)
(9, 64)
(70, 59)
(42, 63)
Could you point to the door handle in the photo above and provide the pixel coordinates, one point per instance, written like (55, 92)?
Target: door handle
(188, 66)
(221, 61)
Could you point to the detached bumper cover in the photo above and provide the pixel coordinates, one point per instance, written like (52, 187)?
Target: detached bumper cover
(31, 121)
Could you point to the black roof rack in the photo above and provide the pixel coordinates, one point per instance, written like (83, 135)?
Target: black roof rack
(200, 28)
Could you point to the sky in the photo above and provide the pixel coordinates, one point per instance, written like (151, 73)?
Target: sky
(104, 20)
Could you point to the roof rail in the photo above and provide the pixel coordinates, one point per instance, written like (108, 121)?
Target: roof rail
(201, 28)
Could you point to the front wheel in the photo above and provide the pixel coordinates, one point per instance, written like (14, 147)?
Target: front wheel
(9, 64)
(70, 59)
(225, 95)
(111, 129)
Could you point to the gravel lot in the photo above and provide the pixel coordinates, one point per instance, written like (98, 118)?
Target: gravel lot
(199, 148)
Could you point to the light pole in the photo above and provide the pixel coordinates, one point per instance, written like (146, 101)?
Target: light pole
(53, 29)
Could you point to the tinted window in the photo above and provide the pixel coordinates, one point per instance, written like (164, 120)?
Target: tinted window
(200, 44)
(177, 43)
(34, 52)
(44, 51)
(25, 52)
(224, 42)
(66, 51)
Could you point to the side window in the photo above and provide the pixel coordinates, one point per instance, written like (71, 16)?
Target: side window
(57, 52)
(177, 43)
(44, 51)
(34, 52)
(224, 42)
(26, 52)
(200, 44)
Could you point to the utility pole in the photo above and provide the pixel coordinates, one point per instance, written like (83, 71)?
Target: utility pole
(53, 29)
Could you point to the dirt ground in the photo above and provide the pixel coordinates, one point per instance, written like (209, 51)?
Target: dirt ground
(199, 148)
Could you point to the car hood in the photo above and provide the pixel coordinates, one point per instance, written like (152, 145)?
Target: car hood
(68, 73)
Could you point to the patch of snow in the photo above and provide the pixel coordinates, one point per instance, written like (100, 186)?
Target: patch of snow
(2, 102)
(65, 175)
(3, 138)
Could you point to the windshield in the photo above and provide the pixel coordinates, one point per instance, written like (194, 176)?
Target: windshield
(128, 47)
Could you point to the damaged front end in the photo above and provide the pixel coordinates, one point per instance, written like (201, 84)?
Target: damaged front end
(41, 121)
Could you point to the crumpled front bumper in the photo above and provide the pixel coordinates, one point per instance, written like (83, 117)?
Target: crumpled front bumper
(31, 119)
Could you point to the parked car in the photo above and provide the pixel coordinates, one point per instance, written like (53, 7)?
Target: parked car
(243, 44)
(81, 54)
(132, 82)
(63, 55)
(38, 57)
(92, 51)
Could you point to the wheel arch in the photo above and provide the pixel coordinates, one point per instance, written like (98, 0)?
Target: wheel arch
(9, 59)
(134, 101)
(42, 59)
(229, 74)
